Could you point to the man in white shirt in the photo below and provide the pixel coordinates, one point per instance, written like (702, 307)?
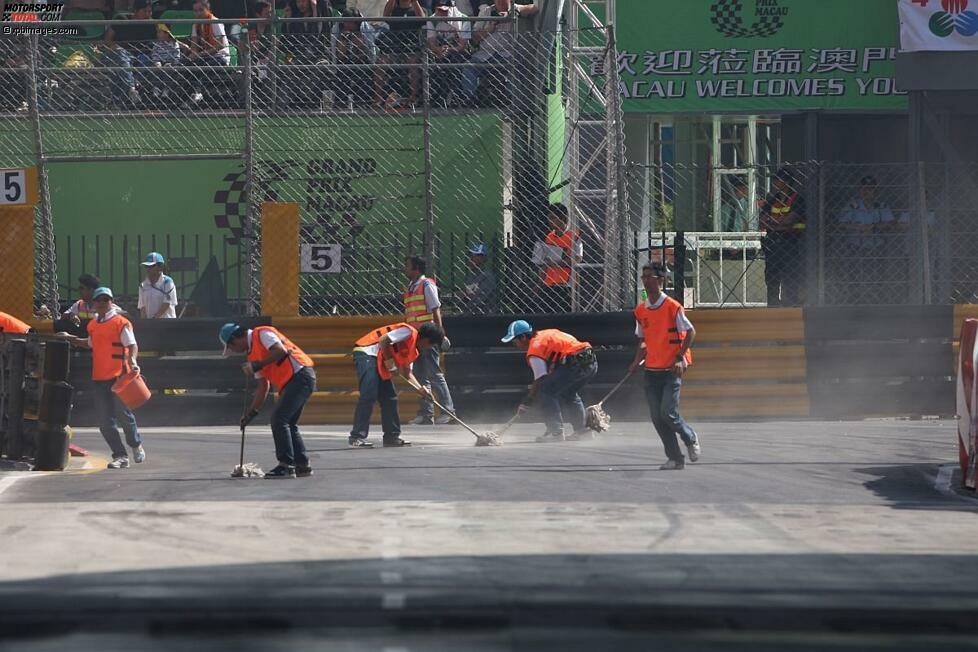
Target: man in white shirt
(158, 292)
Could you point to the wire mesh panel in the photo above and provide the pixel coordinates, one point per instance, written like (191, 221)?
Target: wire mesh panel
(736, 239)
(867, 245)
(446, 139)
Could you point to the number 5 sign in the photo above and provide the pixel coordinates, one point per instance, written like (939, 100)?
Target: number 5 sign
(18, 187)
(321, 259)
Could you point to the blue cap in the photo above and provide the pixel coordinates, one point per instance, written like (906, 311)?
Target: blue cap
(518, 327)
(153, 258)
(227, 330)
(102, 291)
(479, 250)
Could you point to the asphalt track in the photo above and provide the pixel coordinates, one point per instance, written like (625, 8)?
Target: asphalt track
(796, 535)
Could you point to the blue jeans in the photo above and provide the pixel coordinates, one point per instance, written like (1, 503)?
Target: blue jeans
(563, 385)
(110, 408)
(123, 80)
(428, 372)
(373, 389)
(662, 393)
(290, 450)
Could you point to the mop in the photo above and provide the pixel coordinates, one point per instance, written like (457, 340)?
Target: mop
(595, 417)
(495, 438)
(487, 439)
(249, 470)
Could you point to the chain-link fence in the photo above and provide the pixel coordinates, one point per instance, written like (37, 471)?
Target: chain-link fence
(814, 233)
(447, 139)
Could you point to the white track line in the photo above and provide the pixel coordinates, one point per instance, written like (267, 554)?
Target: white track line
(8, 482)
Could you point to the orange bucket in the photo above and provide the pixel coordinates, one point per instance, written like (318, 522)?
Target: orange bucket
(131, 390)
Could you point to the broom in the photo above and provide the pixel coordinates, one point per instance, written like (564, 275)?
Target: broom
(243, 470)
(495, 438)
(595, 417)
(486, 439)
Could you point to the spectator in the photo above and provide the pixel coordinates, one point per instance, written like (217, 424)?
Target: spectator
(783, 219)
(209, 47)
(448, 42)
(158, 293)
(367, 8)
(304, 44)
(736, 213)
(208, 41)
(555, 256)
(479, 293)
(260, 36)
(871, 235)
(495, 42)
(166, 49)
(422, 304)
(401, 43)
(83, 309)
(353, 48)
(129, 45)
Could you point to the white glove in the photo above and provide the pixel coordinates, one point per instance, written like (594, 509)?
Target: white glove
(390, 365)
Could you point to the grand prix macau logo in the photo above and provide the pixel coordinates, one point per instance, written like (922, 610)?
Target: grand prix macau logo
(728, 17)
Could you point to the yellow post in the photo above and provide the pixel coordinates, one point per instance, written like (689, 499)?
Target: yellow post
(18, 194)
(280, 259)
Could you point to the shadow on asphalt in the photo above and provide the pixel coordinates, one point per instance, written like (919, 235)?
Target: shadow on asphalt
(902, 486)
(645, 593)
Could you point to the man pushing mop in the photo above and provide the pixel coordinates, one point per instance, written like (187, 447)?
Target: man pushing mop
(275, 360)
(561, 366)
(665, 336)
(378, 355)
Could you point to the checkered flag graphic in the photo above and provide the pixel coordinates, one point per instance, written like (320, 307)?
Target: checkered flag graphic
(726, 17)
(232, 201)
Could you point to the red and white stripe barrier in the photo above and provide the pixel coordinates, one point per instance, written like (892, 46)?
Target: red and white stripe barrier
(968, 401)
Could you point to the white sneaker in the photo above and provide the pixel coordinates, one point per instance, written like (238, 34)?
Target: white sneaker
(672, 465)
(138, 454)
(443, 419)
(118, 463)
(693, 450)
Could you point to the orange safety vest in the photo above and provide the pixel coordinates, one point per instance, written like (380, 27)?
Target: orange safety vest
(554, 346)
(10, 324)
(85, 310)
(560, 275)
(779, 210)
(108, 354)
(662, 339)
(280, 373)
(415, 308)
(405, 352)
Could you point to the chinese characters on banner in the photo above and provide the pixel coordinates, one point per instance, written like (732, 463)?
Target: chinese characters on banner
(833, 54)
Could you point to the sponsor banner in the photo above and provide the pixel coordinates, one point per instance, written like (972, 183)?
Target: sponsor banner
(758, 56)
(938, 25)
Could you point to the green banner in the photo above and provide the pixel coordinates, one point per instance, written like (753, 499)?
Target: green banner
(758, 56)
(360, 183)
